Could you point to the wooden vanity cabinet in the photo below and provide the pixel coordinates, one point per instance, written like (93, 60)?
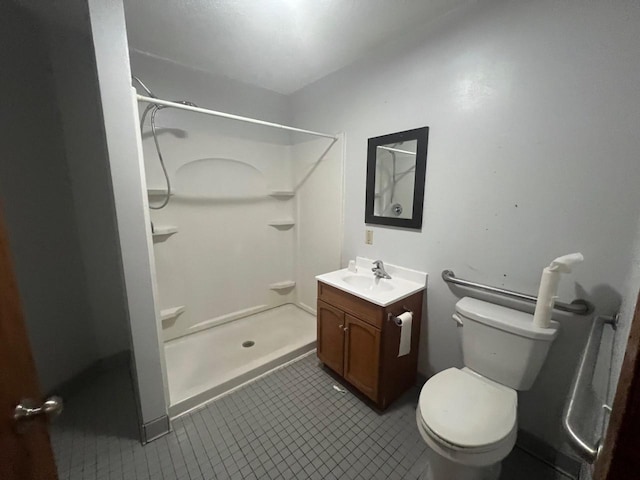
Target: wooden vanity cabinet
(357, 340)
(331, 330)
(362, 356)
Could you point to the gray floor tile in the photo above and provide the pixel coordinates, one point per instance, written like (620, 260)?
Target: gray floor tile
(290, 424)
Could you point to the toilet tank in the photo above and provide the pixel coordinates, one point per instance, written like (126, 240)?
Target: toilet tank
(501, 343)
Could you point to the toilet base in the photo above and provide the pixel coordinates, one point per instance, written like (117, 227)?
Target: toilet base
(441, 468)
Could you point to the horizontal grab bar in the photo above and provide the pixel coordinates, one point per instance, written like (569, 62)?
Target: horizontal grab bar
(577, 307)
(587, 451)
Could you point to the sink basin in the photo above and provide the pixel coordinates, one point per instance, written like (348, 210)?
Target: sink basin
(368, 282)
(380, 291)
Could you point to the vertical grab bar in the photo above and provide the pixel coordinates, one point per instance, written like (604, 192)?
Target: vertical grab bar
(582, 379)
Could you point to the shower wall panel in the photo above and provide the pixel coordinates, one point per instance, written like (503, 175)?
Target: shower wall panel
(319, 186)
(225, 255)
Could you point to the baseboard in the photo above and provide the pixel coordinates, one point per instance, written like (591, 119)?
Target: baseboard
(547, 454)
(155, 429)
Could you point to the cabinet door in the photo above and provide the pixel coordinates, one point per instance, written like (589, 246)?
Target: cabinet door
(331, 329)
(362, 356)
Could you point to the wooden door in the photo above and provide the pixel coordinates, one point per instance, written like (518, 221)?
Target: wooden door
(331, 336)
(362, 356)
(27, 455)
(619, 459)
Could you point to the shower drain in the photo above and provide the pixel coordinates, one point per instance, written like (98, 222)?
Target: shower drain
(248, 343)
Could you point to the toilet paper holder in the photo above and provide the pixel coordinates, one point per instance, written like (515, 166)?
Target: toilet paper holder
(392, 318)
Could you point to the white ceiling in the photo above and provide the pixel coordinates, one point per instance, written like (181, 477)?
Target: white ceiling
(280, 45)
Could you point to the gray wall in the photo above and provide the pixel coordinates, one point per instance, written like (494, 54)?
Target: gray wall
(38, 204)
(533, 153)
(77, 92)
(56, 187)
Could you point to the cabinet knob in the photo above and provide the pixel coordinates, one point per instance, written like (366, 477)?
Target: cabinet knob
(340, 326)
(346, 329)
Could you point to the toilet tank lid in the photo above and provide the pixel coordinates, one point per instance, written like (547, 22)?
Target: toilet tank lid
(506, 319)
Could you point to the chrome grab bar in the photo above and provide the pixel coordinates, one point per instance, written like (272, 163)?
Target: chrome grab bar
(577, 307)
(583, 377)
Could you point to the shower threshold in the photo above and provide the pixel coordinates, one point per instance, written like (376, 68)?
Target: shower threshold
(204, 365)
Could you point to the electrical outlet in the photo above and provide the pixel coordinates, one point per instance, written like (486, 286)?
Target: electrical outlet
(368, 237)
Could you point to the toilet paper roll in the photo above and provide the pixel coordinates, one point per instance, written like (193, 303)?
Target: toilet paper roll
(404, 322)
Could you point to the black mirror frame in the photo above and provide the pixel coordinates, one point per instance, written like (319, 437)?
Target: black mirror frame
(422, 137)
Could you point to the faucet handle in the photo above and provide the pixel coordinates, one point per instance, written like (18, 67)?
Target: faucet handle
(378, 263)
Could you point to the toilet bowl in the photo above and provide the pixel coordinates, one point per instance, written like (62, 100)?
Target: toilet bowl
(468, 416)
(469, 424)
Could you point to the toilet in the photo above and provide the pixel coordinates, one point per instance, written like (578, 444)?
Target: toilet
(468, 416)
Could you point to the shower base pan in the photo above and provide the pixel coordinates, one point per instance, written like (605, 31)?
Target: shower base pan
(209, 363)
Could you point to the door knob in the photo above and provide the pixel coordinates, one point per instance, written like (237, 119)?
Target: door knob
(29, 408)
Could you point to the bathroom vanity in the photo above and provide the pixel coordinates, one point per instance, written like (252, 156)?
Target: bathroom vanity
(358, 337)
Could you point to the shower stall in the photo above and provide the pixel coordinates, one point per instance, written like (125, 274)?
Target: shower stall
(244, 214)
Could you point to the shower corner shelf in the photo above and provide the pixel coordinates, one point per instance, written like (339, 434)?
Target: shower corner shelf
(282, 285)
(171, 313)
(164, 230)
(282, 193)
(283, 223)
(157, 192)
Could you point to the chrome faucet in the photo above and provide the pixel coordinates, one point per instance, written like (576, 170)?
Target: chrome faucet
(379, 271)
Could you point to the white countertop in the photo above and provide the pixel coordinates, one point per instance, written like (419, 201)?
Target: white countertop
(362, 283)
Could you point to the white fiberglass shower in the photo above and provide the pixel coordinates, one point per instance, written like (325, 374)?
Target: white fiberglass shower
(255, 212)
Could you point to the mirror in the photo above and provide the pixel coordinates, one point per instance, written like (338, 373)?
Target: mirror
(396, 166)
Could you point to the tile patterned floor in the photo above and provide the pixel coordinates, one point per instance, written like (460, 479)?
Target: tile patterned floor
(290, 424)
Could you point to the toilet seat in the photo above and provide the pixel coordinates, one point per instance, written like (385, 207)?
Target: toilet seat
(472, 457)
(468, 412)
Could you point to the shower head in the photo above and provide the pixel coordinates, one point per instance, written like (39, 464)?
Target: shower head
(154, 108)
